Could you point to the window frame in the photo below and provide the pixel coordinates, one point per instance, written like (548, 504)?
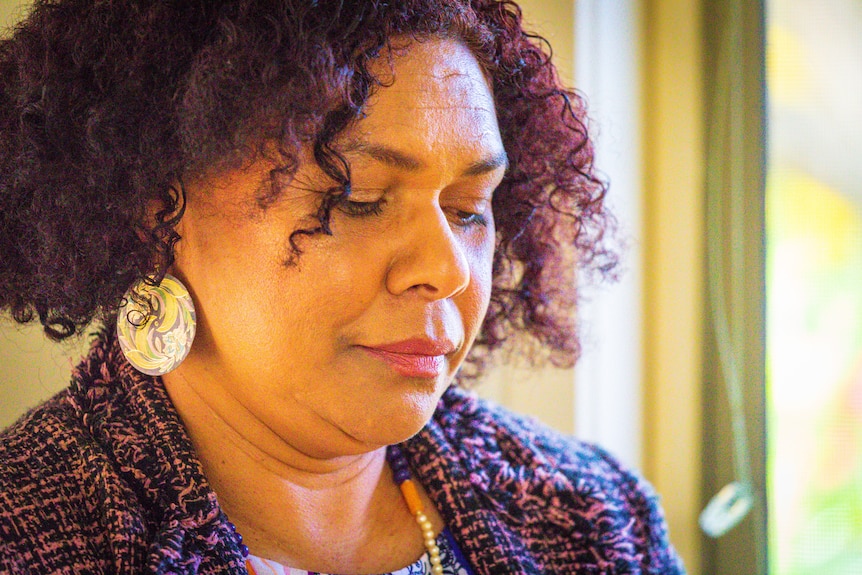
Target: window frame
(735, 120)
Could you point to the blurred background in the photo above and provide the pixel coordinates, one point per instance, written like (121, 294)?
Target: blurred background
(731, 349)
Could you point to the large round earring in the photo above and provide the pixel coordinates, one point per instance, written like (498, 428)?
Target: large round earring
(156, 325)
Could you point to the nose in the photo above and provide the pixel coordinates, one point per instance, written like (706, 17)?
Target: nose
(430, 259)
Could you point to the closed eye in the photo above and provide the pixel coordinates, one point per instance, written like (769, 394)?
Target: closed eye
(358, 209)
(467, 219)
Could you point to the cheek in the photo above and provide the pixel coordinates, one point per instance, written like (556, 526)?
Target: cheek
(478, 296)
(347, 272)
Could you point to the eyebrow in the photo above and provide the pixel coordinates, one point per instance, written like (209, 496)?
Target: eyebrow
(403, 161)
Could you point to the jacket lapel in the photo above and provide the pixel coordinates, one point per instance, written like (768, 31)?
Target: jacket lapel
(453, 483)
(132, 419)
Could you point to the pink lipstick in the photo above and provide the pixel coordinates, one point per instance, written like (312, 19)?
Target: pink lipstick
(416, 357)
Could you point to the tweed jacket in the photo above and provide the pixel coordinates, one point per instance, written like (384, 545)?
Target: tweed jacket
(103, 479)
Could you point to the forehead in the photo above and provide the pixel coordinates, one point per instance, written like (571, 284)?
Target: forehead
(434, 92)
(438, 65)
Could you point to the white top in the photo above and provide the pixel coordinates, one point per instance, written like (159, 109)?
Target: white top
(449, 559)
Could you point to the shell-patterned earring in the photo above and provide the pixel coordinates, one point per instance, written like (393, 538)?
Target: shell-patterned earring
(156, 325)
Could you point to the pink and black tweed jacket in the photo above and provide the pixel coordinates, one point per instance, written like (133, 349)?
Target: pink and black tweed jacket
(103, 479)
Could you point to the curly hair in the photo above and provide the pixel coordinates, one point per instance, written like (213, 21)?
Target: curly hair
(106, 105)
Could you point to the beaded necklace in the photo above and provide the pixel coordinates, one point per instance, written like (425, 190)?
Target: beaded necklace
(401, 474)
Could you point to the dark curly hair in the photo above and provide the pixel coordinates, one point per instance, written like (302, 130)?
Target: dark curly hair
(106, 104)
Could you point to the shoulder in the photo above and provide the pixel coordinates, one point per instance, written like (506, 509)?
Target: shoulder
(42, 503)
(495, 433)
(549, 483)
(35, 449)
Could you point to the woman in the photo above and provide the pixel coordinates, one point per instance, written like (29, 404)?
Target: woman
(358, 198)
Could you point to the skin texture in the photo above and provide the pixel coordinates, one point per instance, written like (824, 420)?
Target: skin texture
(286, 395)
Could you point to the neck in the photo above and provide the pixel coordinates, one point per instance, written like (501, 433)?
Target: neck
(300, 509)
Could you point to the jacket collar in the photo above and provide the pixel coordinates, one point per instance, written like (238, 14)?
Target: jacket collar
(132, 418)
(456, 458)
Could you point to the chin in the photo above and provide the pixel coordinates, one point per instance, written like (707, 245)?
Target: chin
(395, 424)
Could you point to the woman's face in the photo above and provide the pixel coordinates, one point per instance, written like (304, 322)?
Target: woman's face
(351, 348)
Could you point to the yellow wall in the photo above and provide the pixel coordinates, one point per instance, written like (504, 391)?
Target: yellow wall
(10, 10)
(555, 20)
(673, 291)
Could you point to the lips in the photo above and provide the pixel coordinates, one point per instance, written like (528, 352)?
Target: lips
(423, 358)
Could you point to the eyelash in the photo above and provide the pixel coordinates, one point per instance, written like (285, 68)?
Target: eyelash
(361, 209)
(375, 208)
(467, 219)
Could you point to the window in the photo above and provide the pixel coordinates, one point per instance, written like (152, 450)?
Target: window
(814, 286)
(784, 223)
